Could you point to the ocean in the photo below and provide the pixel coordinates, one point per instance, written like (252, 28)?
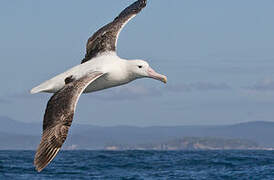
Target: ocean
(135, 165)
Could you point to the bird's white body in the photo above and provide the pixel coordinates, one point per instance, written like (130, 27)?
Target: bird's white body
(114, 67)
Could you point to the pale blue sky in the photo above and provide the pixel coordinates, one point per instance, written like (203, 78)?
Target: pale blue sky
(218, 56)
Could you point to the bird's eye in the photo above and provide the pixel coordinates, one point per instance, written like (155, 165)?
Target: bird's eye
(140, 67)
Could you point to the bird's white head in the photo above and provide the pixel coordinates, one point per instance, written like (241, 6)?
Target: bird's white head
(141, 69)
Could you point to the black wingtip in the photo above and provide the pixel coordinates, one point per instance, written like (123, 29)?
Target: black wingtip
(143, 3)
(44, 155)
(136, 7)
(139, 5)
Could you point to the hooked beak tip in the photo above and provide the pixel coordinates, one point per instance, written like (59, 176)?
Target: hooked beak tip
(157, 76)
(164, 79)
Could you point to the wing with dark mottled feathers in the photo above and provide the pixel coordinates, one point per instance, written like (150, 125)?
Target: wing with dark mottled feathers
(58, 118)
(105, 39)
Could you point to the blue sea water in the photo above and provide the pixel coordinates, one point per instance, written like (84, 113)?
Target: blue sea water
(131, 165)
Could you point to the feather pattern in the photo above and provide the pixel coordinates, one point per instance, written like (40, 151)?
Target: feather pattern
(58, 118)
(105, 39)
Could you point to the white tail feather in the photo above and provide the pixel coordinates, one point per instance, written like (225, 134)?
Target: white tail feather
(36, 90)
(39, 89)
(47, 86)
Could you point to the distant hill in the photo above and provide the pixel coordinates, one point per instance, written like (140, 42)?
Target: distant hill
(9, 125)
(191, 143)
(19, 135)
(18, 142)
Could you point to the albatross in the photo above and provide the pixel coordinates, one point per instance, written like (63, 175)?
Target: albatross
(101, 68)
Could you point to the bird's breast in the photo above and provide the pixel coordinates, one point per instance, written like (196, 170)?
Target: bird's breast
(111, 79)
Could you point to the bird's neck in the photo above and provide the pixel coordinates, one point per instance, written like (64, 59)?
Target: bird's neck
(130, 64)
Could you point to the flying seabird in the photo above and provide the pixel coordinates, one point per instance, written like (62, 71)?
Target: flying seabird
(100, 69)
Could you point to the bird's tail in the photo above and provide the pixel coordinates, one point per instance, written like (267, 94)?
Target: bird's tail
(44, 87)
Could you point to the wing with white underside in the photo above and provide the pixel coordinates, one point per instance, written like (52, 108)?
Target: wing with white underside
(58, 118)
(105, 39)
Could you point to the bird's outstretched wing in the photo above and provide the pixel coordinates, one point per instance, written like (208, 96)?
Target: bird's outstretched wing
(58, 118)
(105, 39)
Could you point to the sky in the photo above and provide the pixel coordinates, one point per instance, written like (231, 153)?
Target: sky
(218, 56)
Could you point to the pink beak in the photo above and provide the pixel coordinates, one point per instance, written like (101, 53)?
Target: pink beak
(157, 76)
